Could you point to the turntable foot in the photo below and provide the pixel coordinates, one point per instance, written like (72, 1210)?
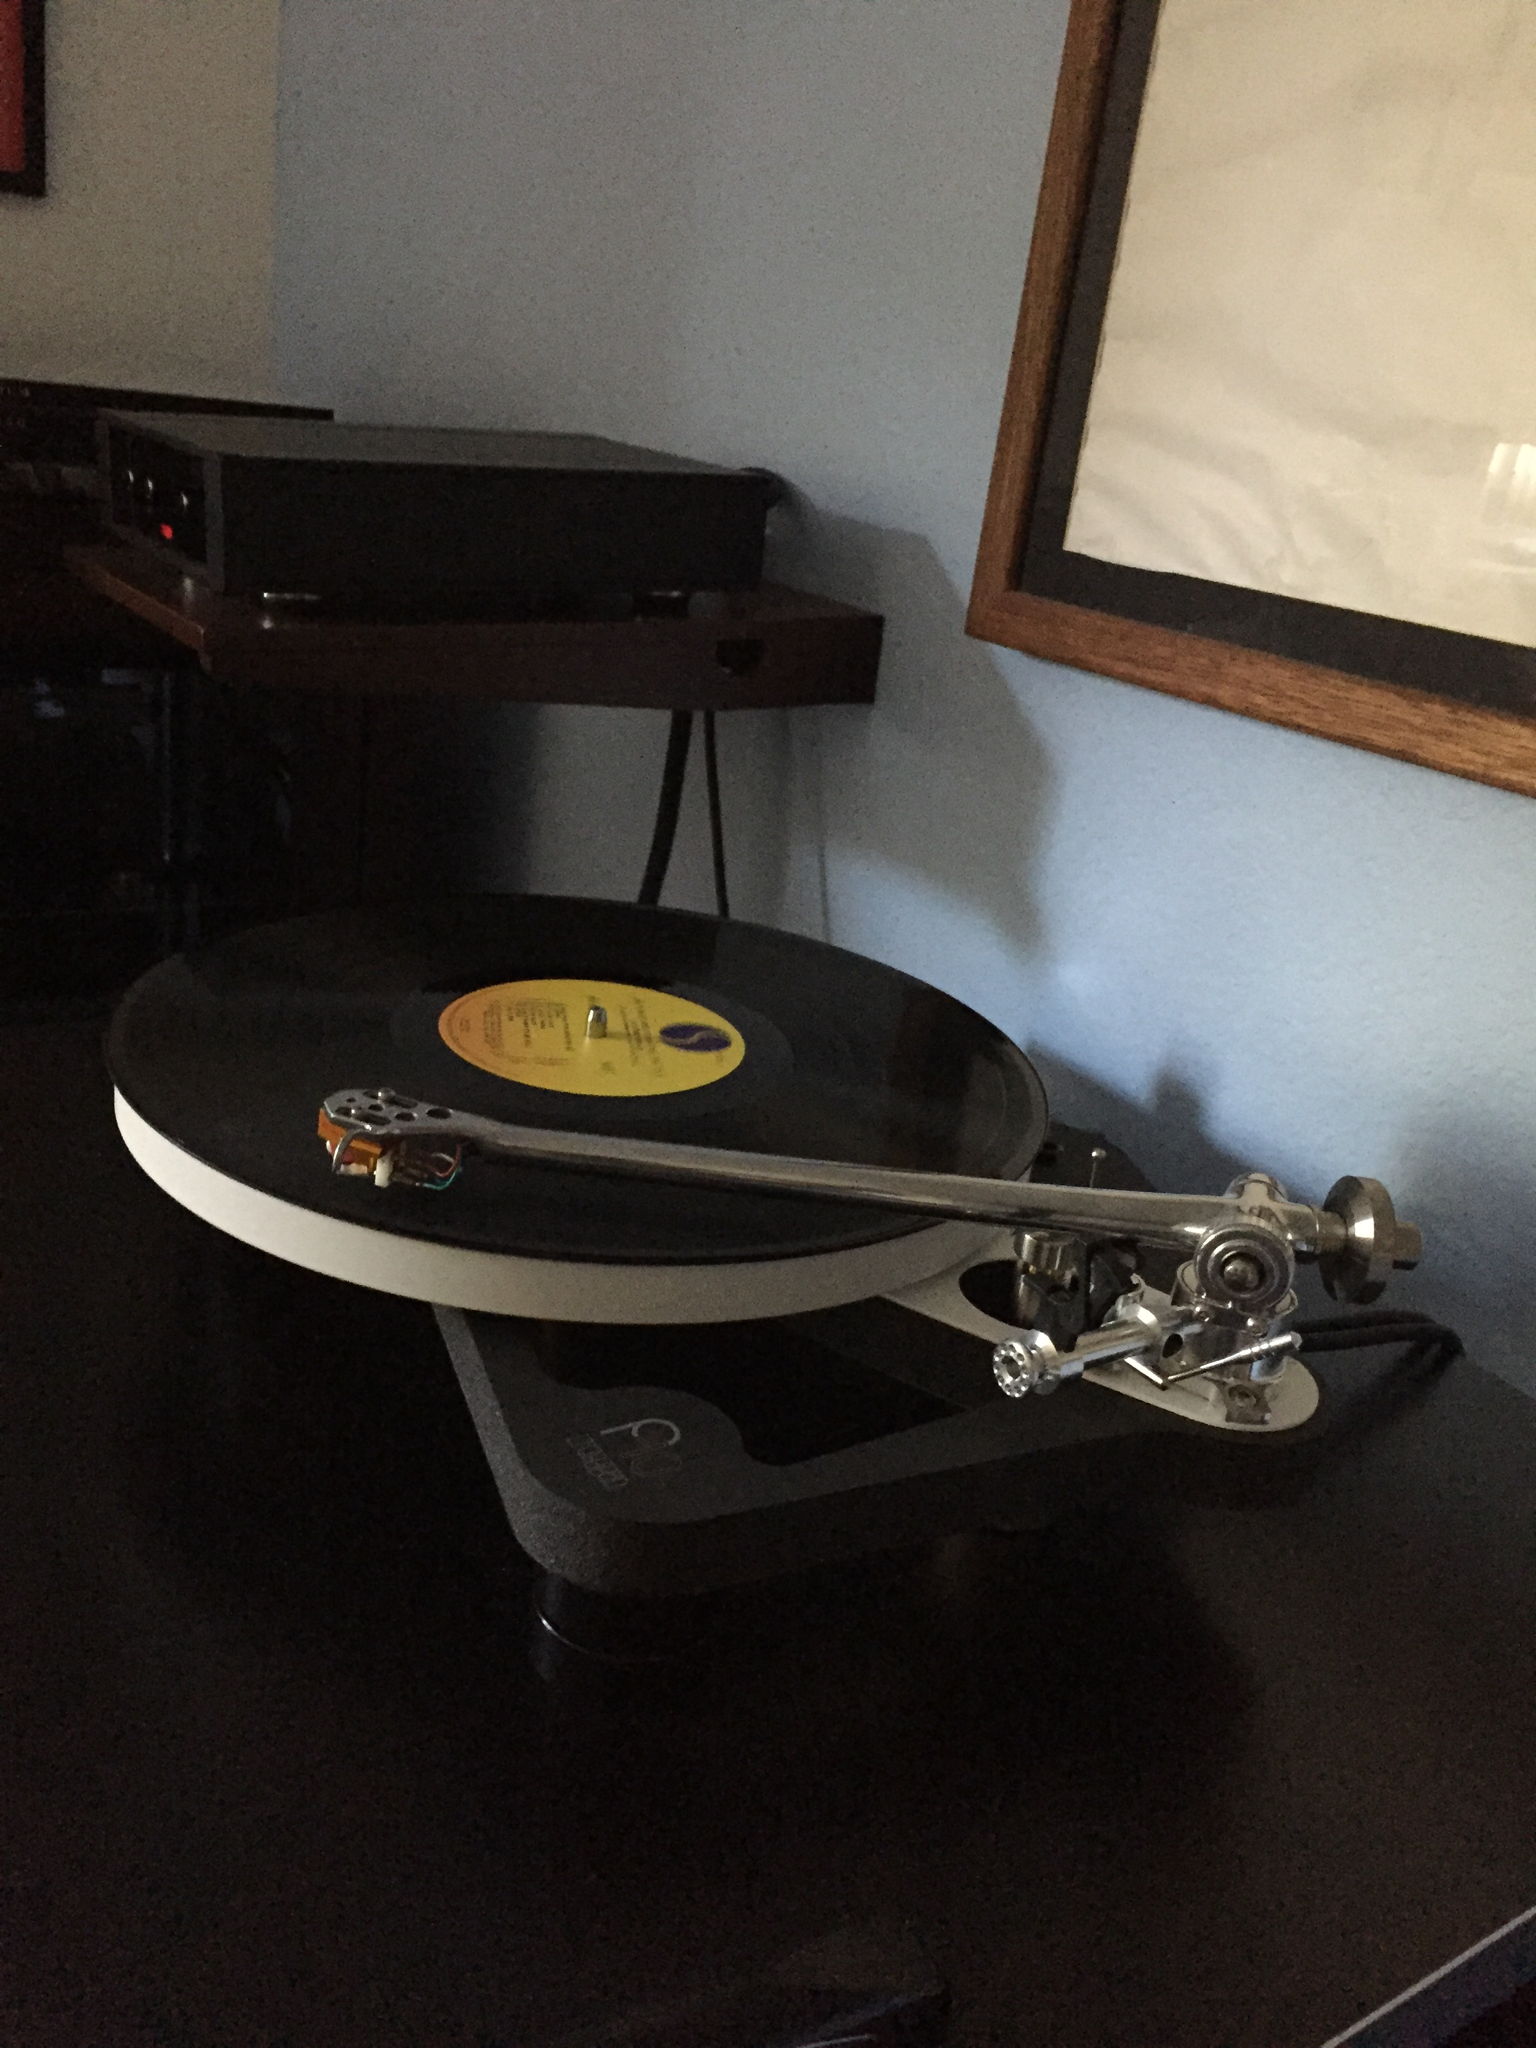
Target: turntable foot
(577, 1634)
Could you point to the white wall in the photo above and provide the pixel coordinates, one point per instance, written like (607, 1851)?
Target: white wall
(793, 232)
(150, 259)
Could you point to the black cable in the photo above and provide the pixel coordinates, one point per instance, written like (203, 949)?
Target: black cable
(716, 819)
(1428, 1342)
(668, 803)
(1424, 1349)
(1387, 1322)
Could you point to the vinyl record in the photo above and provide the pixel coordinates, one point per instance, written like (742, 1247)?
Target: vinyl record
(708, 1031)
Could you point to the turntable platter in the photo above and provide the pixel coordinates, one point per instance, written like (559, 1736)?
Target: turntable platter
(598, 1016)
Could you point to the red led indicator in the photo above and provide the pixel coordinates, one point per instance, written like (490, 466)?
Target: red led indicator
(167, 532)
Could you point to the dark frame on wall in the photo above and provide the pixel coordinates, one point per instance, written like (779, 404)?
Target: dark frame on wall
(1446, 700)
(23, 127)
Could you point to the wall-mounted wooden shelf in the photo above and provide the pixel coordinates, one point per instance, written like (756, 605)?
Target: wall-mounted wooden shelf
(770, 646)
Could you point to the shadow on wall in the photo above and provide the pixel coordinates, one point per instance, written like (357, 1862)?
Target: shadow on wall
(1474, 1282)
(940, 802)
(1166, 1136)
(943, 780)
(1475, 1201)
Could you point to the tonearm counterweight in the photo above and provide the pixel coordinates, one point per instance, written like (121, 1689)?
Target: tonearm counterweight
(1224, 1321)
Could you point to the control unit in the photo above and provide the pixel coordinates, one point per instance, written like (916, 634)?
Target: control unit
(318, 511)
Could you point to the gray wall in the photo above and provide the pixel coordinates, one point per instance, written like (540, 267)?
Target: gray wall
(792, 232)
(149, 261)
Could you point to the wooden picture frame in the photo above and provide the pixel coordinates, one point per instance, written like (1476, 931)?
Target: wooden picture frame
(23, 127)
(1445, 700)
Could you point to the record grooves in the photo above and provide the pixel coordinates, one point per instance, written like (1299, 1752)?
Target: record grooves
(810, 1050)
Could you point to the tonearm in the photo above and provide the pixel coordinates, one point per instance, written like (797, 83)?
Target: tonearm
(1226, 1318)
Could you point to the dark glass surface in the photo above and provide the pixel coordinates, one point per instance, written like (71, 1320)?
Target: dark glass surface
(230, 1051)
(277, 1771)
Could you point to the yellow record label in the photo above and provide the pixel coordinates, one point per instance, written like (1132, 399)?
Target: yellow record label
(591, 1037)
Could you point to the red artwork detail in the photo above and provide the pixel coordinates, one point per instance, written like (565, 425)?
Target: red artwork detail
(13, 126)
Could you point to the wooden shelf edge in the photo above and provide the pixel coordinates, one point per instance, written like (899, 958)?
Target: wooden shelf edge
(99, 569)
(772, 647)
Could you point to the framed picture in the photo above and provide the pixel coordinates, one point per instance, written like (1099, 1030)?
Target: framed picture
(1269, 437)
(22, 131)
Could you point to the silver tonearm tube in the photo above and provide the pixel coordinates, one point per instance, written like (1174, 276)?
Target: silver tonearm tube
(1226, 1318)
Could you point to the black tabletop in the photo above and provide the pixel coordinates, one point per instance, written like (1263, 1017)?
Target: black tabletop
(281, 1770)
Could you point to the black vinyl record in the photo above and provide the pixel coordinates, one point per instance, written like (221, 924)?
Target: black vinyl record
(810, 1050)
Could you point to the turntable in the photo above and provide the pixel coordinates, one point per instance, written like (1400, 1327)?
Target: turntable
(749, 1253)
